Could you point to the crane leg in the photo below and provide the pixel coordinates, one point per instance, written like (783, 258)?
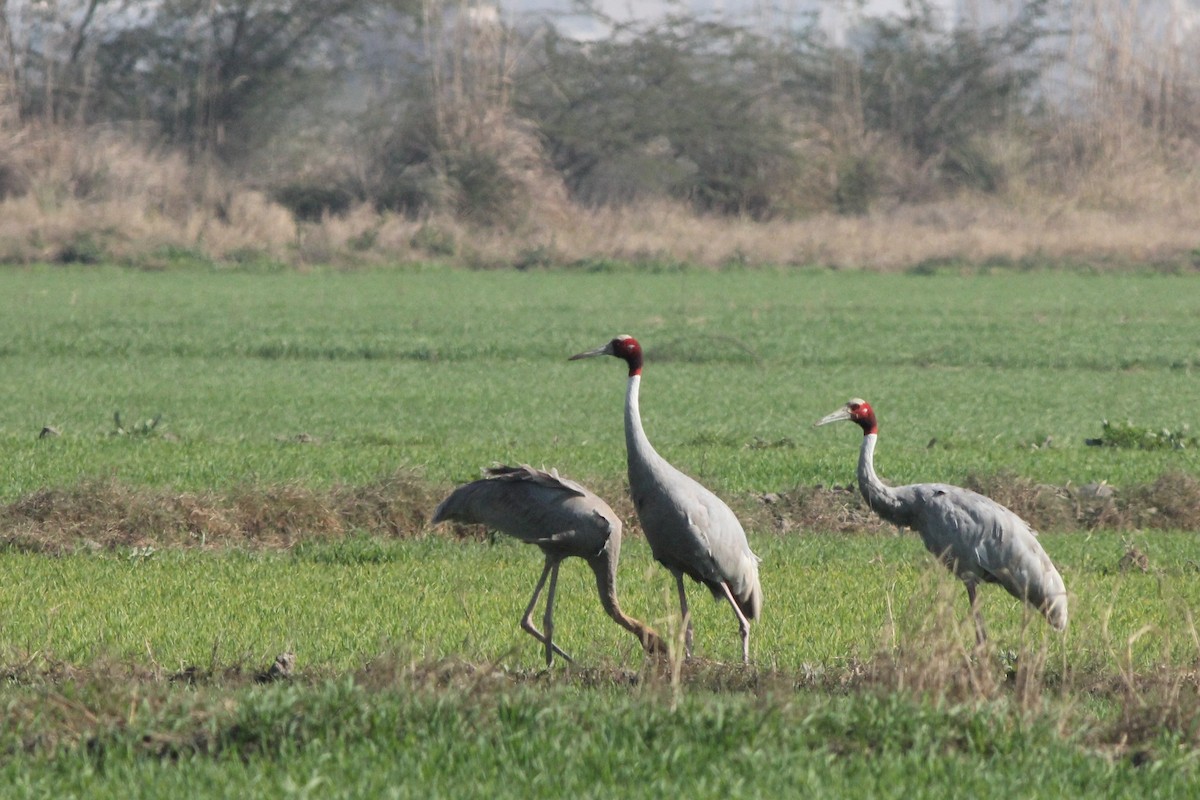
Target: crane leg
(548, 617)
(551, 570)
(980, 633)
(743, 623)
(687, 615)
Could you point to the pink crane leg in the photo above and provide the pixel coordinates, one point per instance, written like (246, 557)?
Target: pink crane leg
(686, 615)
(550, 570)
(743, 623)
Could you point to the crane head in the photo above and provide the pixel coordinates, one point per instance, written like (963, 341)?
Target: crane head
(624, 346)
(858, 411)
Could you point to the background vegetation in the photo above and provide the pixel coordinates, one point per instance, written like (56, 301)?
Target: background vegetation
(364, 131)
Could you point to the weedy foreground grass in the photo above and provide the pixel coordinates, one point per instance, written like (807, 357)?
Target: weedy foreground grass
(411, 673)
(456, 729)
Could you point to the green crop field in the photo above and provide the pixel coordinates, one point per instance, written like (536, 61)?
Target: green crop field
(830, 598)
(129, 667)
(447, 371)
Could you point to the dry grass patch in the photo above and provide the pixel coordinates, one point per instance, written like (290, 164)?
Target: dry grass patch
(93, 196)
(89, 196)
(1170, 503)
(969, 229)
(106, 515)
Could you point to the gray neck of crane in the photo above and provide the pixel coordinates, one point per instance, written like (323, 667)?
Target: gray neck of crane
(880, 497)
(637, 447)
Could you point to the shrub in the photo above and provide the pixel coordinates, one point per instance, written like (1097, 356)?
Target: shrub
(483, 190)
(311, 200)
(84, 247)
(680, 109)
(1128, 435)
(857, 184)
(434, 240)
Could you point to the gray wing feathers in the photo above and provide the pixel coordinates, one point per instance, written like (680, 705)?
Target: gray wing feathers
(982, 540)
(693, 531)
(549, 480)
(534, 506)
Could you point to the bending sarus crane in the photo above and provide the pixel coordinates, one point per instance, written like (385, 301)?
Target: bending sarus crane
(562, 518)
(690, 531)
(976, 538)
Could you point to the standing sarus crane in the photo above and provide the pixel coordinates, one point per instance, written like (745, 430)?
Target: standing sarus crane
(690, 530)
(562, 518)
(975, 537)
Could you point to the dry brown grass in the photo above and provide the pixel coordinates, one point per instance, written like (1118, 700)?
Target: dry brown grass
(1172, 502)
(105, 515)
(971, 230)
(101, 195)
(92, 196)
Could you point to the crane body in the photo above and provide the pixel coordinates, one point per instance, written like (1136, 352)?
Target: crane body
(690, 530)
(975, 537)
(563, 519)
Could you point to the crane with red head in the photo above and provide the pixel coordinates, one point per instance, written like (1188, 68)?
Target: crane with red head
(690, 530)
(975, 537)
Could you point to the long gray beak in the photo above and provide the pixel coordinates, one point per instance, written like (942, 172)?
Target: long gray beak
(837, 416)
(605, 350)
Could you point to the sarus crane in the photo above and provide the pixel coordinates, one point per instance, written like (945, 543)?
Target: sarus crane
(563, 519)
(975, 537)
(690, 530)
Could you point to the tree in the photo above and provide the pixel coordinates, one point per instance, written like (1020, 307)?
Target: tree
(684, 108)
(936, 91)
(213, 75)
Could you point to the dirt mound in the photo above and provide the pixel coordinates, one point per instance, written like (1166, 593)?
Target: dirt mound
(105, 515)
(1170, 503)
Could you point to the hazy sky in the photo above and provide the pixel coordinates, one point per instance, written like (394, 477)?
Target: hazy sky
(835, 14)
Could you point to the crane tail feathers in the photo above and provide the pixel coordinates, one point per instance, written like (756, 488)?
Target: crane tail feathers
(471, 502)
(1056, 612)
